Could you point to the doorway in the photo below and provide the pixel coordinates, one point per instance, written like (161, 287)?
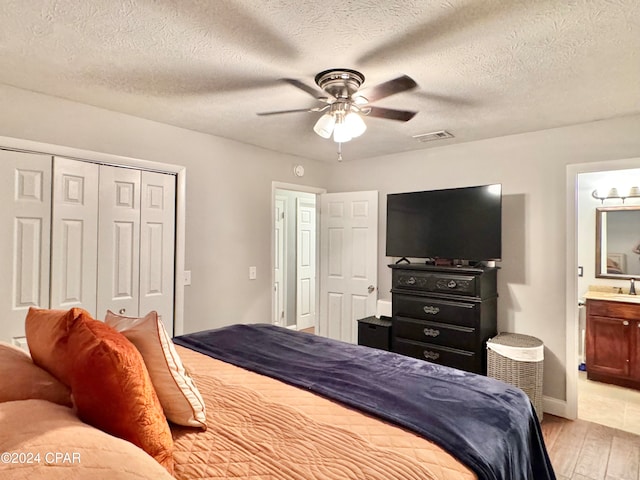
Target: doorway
(295, 257)
(597, 402)
(344, 274)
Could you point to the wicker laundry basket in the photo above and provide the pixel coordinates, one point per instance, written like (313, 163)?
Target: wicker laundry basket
(518, 360)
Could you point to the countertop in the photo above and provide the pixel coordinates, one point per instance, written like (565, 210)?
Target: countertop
(613, 297)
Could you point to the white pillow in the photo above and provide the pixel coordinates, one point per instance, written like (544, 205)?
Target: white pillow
(178, 394)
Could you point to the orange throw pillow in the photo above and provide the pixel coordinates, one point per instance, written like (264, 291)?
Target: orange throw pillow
(21, 379)
(112, 390)
(47, 333)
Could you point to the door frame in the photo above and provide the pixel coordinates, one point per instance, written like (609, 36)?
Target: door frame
(29, 146)
(571, 282)
(296, 188)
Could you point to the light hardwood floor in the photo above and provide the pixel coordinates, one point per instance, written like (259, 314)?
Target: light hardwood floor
(581, 450)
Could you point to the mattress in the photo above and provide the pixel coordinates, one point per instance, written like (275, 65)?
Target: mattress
(261, 428)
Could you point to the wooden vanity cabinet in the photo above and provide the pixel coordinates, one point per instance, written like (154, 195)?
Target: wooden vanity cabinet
(613, 342)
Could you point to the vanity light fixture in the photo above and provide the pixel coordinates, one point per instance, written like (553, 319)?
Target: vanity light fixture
(615, 193)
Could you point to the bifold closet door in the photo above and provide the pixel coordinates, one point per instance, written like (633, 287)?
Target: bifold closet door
(25, 216)
(157, 245)
(74, 234)
(118, 241)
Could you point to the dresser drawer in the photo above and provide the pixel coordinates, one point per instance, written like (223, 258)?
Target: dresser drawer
(437, 333)
(436, 282)
(442, 311)
(461, 359)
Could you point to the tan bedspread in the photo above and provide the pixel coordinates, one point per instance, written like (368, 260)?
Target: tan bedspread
(261, 428)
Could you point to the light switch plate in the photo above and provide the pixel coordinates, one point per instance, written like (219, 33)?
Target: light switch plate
(187, 277)
(252, 273)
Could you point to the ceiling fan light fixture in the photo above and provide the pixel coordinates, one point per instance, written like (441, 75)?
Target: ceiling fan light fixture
(355, 124)
(324, 125)
(341, 132)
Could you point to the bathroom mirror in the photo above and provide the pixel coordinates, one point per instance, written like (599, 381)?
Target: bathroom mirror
(618, 242)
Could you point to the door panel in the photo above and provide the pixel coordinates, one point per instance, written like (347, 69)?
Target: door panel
(118, 241)
(157, 246)
(608, 346)
(349, 270)
(280, 288)
(306, 264)
(74, 247)
(25, 190)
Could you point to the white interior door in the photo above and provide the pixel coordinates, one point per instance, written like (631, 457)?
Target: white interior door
(157, 245)
(74, 234)
(279, 285)
(25, 216)
(118, 241)
(305, 263)
(348, 256)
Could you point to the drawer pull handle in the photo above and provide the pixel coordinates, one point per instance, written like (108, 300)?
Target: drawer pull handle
(430, 310)
(431, 355)
(411, 281)
(452, 284)
(625, 323)
(431, 332)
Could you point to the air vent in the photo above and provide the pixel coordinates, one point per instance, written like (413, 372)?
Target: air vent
(428, 137)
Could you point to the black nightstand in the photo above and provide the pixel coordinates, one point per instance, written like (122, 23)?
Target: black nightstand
(375, 332)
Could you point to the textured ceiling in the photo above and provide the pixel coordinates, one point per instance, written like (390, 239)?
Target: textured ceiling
(485, 68)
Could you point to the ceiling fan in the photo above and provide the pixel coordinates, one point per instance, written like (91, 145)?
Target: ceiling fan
(344, 105)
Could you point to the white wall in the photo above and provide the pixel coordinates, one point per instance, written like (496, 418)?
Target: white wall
(532, 170)
(228, 219)
(228, 224)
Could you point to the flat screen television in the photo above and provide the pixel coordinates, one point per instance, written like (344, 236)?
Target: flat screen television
(456, 223)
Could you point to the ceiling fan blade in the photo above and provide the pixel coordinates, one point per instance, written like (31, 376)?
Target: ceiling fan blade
(297, 110)
(315, 93)
(391, 114)
(391, 87)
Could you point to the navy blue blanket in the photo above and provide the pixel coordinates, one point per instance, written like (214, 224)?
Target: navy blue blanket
(486, 424)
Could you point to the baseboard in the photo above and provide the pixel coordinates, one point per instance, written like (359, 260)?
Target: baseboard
(554, 406)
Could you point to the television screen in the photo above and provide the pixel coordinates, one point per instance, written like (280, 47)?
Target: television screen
(457, 223)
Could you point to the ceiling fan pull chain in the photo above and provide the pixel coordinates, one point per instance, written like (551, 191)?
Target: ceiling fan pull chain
(339, 151)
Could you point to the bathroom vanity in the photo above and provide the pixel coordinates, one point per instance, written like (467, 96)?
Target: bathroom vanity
(613, 338)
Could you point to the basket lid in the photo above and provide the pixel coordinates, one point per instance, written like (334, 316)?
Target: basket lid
(517, 347)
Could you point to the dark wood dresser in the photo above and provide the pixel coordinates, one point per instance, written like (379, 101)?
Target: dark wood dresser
(444, 314)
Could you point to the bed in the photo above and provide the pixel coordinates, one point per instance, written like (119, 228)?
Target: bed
(248, 418)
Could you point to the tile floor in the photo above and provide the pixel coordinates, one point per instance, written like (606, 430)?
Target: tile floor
(608, 405)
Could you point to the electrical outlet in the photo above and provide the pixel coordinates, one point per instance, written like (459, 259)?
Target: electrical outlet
(252, 273)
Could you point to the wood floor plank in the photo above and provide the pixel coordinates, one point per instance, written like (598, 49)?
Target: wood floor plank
(581, 450)
(551, 428)
(566, 448)
(594, 455)
(624, 460)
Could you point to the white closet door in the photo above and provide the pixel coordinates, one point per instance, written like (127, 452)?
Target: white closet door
(157, 245)
(25, 193)
(118, 241)
(74, 234)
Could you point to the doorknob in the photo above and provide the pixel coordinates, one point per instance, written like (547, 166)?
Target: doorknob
(371, 288)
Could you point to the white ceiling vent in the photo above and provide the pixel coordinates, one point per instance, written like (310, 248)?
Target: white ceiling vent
(428, 137)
